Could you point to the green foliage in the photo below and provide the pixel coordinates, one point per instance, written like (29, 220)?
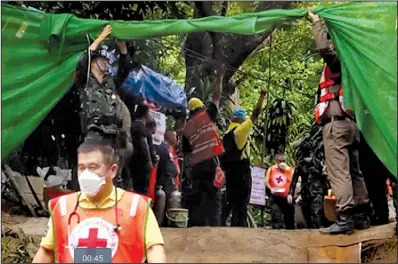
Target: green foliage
(293, 74)
(115, 10)
(162, 54)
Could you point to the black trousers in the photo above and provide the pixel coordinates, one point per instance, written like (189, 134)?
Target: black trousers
(377, 194)
(282, 213)
(141, 180)
(239, 183)
(204, 199)
(375, 175)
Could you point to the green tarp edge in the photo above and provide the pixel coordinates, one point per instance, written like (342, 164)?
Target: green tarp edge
(365, 35)
(40, 52)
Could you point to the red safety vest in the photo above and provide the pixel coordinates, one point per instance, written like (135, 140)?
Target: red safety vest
(152, 184)
(389, 188)
(203, 137)
(280, 180)
(96, 228)
(322, 102)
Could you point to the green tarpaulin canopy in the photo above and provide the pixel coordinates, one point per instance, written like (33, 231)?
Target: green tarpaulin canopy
(40, 52)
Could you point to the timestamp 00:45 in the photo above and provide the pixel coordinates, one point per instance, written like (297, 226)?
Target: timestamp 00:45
(92, 255)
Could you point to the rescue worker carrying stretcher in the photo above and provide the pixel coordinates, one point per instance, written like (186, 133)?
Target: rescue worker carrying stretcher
(341, 140)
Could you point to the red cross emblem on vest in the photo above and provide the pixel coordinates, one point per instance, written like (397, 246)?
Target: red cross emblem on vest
(92, 241)
(279, 179)
(93, 233)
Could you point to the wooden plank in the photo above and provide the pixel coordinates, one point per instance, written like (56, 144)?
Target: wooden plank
(11, 177)
(23, 189)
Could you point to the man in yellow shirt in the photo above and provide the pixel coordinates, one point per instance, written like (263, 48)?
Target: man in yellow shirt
(236, 164)
(134, 236)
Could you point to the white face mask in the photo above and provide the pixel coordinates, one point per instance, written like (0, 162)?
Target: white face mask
(282, 166)
(90, 183)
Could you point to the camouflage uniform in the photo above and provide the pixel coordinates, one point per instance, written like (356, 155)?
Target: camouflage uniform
(103, 113)
(282, 213)
(313, 190)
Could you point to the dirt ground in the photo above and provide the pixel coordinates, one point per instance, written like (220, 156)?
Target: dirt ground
(18, 247)
(385, 253)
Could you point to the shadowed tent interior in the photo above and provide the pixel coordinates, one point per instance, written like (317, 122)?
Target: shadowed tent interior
(49, 45)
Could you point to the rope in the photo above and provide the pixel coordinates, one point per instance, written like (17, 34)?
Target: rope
(268, 97)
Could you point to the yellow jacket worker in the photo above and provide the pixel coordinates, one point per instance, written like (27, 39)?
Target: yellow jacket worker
(101, 215)
(236, 163)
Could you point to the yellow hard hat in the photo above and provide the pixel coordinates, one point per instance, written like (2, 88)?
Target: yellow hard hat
(194, 103)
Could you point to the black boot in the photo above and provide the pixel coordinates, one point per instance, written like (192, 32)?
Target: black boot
(361, 216)
(344, 225)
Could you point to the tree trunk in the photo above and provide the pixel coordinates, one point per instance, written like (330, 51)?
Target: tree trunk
(203, 48)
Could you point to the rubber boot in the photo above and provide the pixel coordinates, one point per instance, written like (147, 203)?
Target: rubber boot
(361, 216)
(344, 225)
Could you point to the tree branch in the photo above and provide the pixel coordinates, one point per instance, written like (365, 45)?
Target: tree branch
(224, 8)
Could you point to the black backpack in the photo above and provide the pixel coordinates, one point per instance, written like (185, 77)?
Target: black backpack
(232, 154)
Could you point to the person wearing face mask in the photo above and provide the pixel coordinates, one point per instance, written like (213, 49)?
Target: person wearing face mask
(278, 179)
(103, 113)
(313, 190)
(341, 140)
(101, 215)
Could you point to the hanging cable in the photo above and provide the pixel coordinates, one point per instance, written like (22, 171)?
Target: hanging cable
(206, 59)
(268, 96)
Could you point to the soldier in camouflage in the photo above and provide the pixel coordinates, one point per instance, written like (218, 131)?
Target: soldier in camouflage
(103, 113)
(313, 190)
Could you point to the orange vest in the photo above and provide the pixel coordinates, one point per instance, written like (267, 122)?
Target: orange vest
(322, 102)
(96, 228)
(280, 180)
(203, 137)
